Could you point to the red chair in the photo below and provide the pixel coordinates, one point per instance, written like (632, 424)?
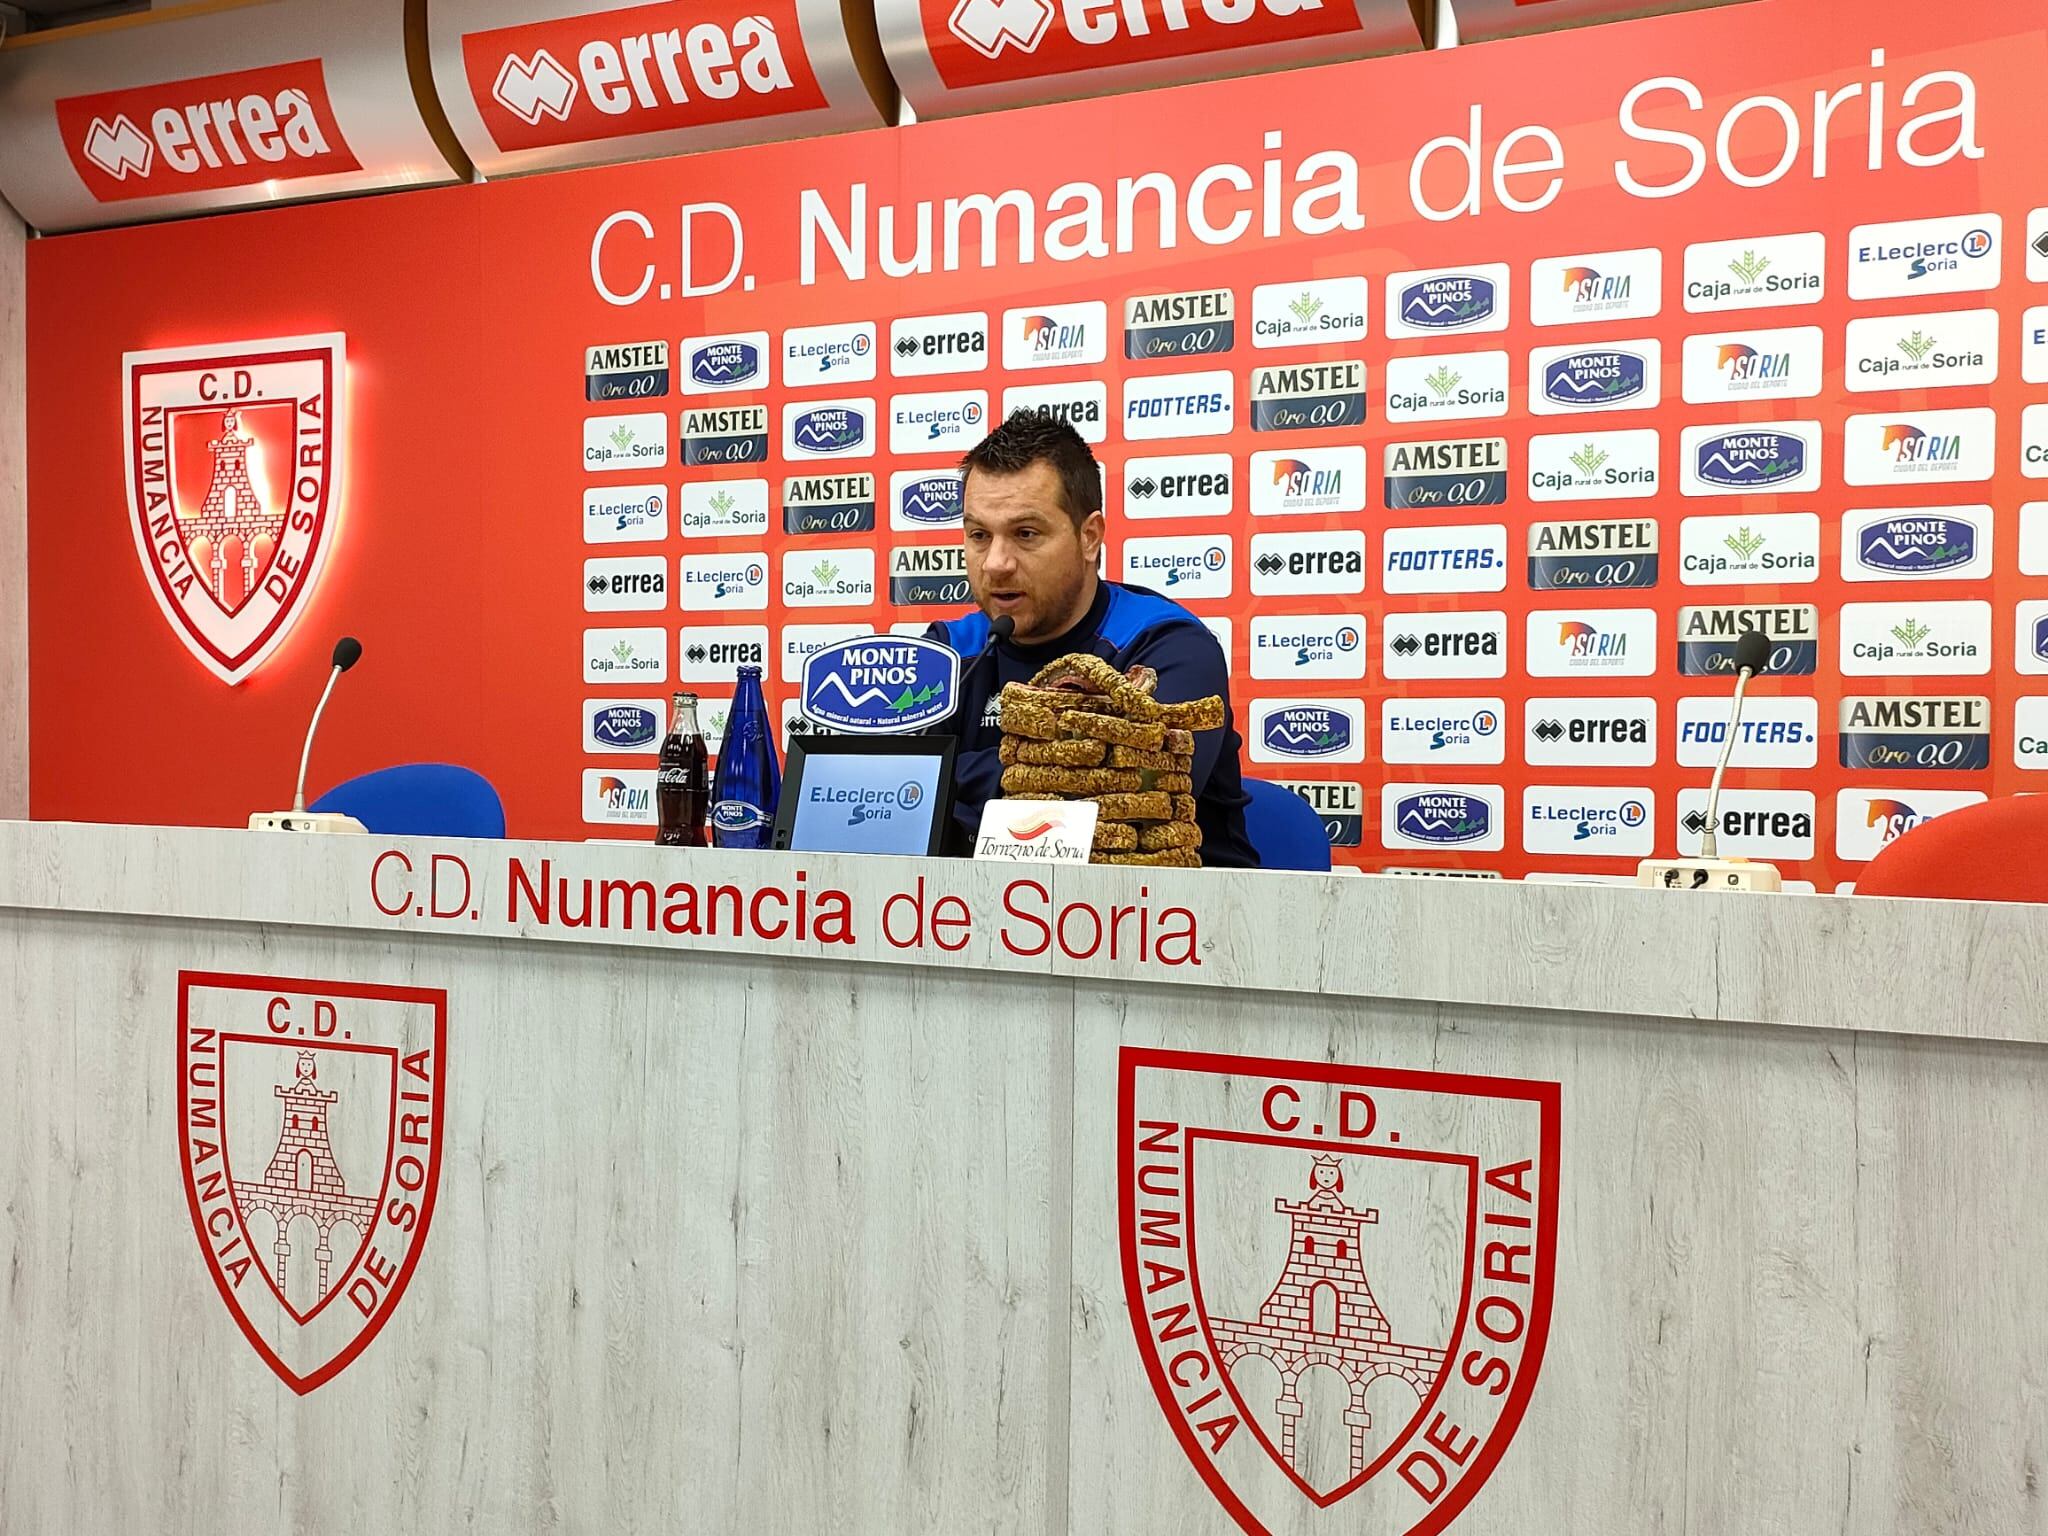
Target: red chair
(1997, 851)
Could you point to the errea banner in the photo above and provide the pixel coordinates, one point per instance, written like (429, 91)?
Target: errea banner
(651, 68)
(242, 129)
(977, 46)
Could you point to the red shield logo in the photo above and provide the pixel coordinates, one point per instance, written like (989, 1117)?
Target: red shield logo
(233, 484)
(1340, 1278)
(309, 1125)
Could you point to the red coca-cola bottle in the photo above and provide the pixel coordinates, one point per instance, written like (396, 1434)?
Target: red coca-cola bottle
(682, 787)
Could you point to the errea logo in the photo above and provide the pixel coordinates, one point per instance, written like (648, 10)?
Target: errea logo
(233, 130)
(643, 69)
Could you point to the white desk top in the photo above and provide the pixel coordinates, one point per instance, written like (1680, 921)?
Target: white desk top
(1935, 968)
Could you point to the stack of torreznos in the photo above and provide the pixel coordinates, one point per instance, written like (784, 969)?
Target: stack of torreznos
(1081, 730)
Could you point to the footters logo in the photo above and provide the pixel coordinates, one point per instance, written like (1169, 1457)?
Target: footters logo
(1396, 1189)
(309, 1126)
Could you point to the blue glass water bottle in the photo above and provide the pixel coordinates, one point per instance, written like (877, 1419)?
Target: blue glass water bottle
(749, 778)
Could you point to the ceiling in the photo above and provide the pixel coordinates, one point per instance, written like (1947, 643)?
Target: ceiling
(36, 15)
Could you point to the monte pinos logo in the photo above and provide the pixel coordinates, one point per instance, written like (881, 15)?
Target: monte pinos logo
(233, 471)
(310, 1118)
(1339, 1277)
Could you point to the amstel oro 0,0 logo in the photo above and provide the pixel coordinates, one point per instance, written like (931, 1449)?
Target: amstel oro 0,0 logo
(1302, 1239)
(233, 486)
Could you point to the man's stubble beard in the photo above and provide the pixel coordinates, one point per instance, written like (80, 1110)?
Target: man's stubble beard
(1061, 612)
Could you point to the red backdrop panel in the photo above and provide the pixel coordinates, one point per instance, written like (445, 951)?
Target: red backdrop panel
(468, 311)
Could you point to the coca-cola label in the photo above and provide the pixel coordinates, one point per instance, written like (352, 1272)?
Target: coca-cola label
(645, 69)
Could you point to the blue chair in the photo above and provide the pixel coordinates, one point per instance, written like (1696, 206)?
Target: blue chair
(420, 800)
(1286, 831)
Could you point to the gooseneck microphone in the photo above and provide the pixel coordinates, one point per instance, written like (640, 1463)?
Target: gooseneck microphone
(347, 652)
(1752, 655)
(1711, 872)
(999, 629)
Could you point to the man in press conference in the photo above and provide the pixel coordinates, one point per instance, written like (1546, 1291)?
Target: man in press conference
(1033, 523)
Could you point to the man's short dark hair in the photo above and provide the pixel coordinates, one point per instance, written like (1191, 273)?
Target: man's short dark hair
(1032, 437)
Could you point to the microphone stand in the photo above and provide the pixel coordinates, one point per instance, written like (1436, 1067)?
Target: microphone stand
(1709, 844)
(298, 819)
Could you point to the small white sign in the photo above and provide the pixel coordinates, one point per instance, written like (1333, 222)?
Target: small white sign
(1869, 820)
(1447, 300)
(829, 354)
(2034, 539)
(1606, 376)
(932, 344)
(1305, 314)
(1054, 335)
(638, 441)
(625, 514)
(1594, 466)
(1920, 447)
(1917, 256)
(2030, 733)
(1460, 557)
(1727, 367)
(1179, 405)
(1447, 387)
(1037, 831)
(1307, 480)
(1605, 285)
(1185, 485)
(1082, 405)
(1922, 351)
(2033, 442)
(1763, 273)
(2034, 345)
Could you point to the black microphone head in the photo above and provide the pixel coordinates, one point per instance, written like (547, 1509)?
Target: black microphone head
(1002, 626)
(1752, 651)
(348, 650)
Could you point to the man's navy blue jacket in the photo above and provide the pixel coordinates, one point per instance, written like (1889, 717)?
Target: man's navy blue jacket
(1126, 627)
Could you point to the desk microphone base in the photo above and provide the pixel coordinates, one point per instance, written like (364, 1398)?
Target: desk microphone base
(1708, 875)
(304, 821)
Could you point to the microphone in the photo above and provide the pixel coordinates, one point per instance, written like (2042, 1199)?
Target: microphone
(1710, 871)
(347, 652)
(1752, 655)
(999, 629)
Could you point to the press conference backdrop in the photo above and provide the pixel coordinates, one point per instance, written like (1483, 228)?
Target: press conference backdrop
(1477, 401)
